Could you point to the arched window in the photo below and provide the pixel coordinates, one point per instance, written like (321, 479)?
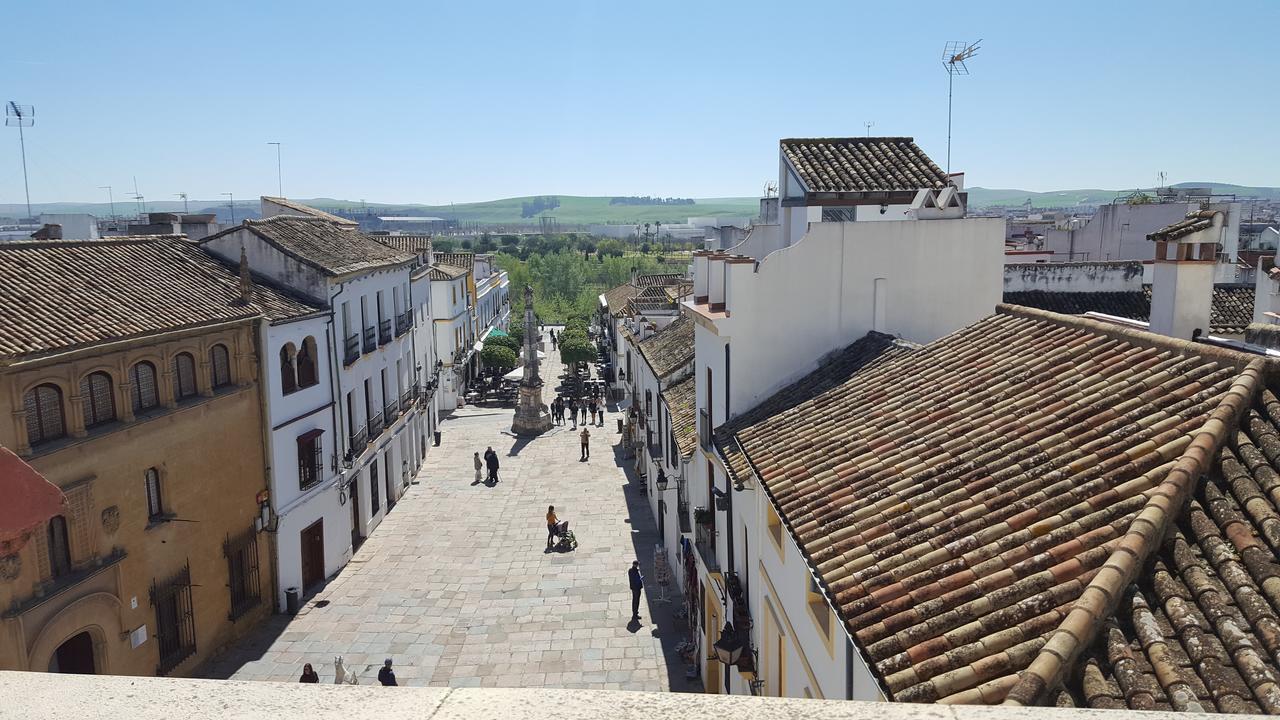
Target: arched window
(184, 376)
(220, 366)
(155, 506)
(307, 363)
(288, 374)
(99, 399)
(44, 414)
(59, 547)
(143, 378)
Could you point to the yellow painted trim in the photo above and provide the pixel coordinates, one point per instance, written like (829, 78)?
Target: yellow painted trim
(786, 621)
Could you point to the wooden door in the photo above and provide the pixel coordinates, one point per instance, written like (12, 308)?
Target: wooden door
(313, 554)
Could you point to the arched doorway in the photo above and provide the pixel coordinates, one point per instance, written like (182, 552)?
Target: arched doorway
(74, 656)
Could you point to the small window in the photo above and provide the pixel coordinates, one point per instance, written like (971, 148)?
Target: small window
(288, 373)
(143, 378)
(155, 504)
(220, 366)
(818, 608)
(375, 502)
(310, 460)
(184, 376)
(99, 399)
(307, 375)
(59, 547)
(45, 422)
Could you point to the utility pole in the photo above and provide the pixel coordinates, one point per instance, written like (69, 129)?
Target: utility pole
(279, 173)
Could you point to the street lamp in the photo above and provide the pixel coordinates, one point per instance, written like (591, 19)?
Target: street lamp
(662, 481)
(729, 647)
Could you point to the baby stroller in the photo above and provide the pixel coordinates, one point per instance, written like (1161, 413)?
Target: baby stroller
(567, 541)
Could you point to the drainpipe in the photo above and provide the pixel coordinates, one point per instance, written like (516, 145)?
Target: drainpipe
(264, 419)
(335, 382)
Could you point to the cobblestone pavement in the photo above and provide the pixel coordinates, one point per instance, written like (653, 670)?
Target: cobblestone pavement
(457, 587)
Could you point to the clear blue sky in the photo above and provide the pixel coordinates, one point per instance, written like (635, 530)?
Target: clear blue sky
(459, 101)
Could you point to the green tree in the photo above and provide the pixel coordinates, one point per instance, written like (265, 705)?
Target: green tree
(574, 350)
(466, 243)
(444, 246)
(504, 341)
(497, 358)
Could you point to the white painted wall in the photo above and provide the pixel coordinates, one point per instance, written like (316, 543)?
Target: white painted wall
(1119, 231)
(1074, 277)
(266, 260)
(1181, 298)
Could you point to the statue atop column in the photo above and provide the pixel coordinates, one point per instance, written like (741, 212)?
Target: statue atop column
(532, 417)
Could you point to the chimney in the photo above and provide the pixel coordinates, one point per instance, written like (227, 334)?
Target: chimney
(245, 285)
(49, 231)
(635, 274)
(1182, 286)
(1266, 292)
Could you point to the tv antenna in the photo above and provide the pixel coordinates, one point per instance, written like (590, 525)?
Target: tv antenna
(111, 198)
(1161, 176)
(954, 56)
(137, 197)
(231, 204)
(868, 125)
(21, 116)
(770, 189)
(185, 210)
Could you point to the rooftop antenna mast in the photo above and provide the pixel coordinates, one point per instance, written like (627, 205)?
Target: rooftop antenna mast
(111, 198)
(231, 204)
(137, 197)
(21, 116)
(868, 125)
(954, 56)
(185, 210)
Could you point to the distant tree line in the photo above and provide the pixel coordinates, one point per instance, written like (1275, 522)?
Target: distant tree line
(538, 204)
(646, 200)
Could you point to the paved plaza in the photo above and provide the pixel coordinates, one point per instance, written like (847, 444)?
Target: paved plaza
(457, 587)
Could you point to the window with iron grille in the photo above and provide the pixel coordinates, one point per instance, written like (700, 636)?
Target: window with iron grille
(99, 399)
(175, 619)
(155, 504)
(184, 376)
(45, 422)
(220, 366)
(242, 572)
(143, 378)
(310, 459)
(375, 502)
(59, 547)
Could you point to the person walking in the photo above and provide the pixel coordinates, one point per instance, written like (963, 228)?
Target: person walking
(573, 413)
(386, 675)
(557, 410)
(636, 579)
(593, 407)
(491, 461)
(309, 675)
(585, 436)
(479, 466)
(552, 521)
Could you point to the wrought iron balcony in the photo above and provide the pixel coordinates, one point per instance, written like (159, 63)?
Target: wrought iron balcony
(384, 331)
(404, 322)
(375, 425)
(352, 347)
(406, 397)
(359, 441)
(704, 539)
(682, 515)
(370, 340)
(392, 411)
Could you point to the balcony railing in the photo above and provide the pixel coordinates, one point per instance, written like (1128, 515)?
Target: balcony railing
(359, 441)
(704, 429)
(406, 397)
(682, 514)
(375, 425)
(370, 340)
(704, 539)
(404, 322)
(392, 411)
(384, 331)
(352, 347)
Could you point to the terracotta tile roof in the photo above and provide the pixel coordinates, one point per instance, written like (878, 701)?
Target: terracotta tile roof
(659, 280)
(956, 500)
(331, 249)
(446, 272)
(862, 164)
(670, 348)
(61, 294)
(1231, 312)
(616, 299)
(405, 243)
(457, 259)
(1194, 222)
(310, 211)
(681, 403)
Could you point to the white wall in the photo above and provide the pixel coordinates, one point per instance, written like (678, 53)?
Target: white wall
(266, 260)
(1074, 277)
(75, 226)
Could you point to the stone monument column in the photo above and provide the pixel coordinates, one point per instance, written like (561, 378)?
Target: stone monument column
(532, 417)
